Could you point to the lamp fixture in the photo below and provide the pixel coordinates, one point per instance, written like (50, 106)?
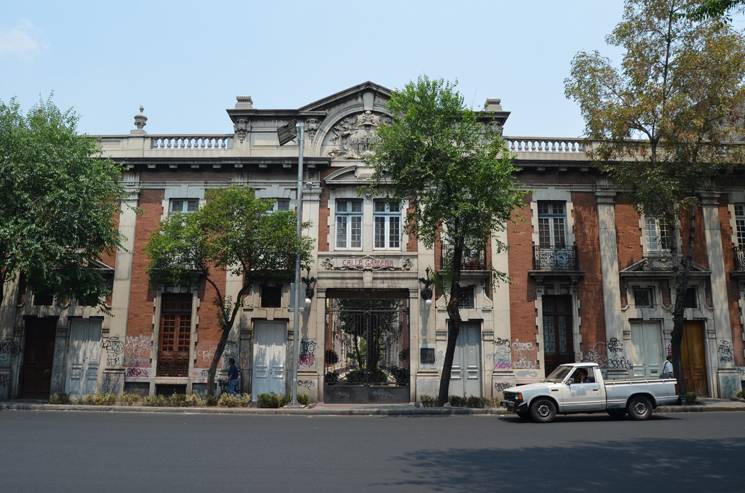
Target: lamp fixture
(427, 289)
(310, 283)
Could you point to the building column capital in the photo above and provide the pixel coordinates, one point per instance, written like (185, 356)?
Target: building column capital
(709, 197)
(605, 197)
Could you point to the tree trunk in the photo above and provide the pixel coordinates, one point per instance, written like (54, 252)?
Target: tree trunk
(216, 358)
(453, 328)
(681, 282)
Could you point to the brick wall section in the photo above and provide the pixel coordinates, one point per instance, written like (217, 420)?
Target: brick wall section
(141, 308)
(323, 216)
(522, 291)
(208, 332)
(699, 240)
(413, 244)
(592, 309)
(628, 234)
(733, 292)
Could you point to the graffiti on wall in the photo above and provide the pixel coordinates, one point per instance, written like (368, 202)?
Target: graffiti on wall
(59, 357)
(111, 383)
(524, 355)
(137, 372)
(230, 351)
(596, 354)
(306, 384)
(616, 355)
(729, 387)
(726, 355)
(137, 351)
(206, 354)
(114, 349)
(9, 346)
(199, 372)
(4, 381)
(307, 355)
(502, 358)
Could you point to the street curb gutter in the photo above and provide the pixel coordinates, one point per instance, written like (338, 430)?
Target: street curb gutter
(426, 411)
(412, 411)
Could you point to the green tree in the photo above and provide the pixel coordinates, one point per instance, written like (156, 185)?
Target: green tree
(234, 232)
(59, 201)
(451, 164)
(659, 122)
(714, 9)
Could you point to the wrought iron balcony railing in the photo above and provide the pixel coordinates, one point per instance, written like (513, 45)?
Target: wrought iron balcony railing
(472, 259)
(740, 258)
(564, 258)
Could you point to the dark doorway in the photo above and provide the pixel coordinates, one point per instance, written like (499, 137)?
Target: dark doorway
(558, 344)
(693, 354)
(38, 358)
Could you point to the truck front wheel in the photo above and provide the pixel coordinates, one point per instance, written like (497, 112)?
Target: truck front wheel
(543, 411)
(639, 408)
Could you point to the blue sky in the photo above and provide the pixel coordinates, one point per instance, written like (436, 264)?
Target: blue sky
(186, 61)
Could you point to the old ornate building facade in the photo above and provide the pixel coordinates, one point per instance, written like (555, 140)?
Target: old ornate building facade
(592, 279)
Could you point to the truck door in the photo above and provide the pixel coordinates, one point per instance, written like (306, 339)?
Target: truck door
(582, 397)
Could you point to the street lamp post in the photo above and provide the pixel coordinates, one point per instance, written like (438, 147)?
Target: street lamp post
(286, 133)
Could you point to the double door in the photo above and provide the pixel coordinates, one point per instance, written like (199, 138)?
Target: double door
(693, 355)
(269, 358)
(83, 357)
(465, 378)
(646, 350)
(38, 358)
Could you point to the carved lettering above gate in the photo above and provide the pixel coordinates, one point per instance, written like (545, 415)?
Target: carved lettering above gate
(368, 262)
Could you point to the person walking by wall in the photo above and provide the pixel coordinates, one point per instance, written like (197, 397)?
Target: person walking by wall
(667, 367)
(232, 377)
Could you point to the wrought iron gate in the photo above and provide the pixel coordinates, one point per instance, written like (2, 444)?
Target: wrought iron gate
(367, 351)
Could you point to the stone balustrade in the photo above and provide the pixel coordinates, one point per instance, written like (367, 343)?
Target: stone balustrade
(191, 142)
(545, 145)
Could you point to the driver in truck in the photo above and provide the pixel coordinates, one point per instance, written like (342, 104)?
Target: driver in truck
(583, 375)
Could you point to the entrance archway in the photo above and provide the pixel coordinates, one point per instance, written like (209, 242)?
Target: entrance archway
(366, 357)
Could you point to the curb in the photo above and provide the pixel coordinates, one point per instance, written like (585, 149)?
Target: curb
(426, 411)
(315, 411)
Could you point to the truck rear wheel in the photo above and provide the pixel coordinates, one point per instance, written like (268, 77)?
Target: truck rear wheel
(543, 411)
(617, 413)
(639, 408)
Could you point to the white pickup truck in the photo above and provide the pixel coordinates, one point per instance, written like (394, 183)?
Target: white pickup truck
(579, 388)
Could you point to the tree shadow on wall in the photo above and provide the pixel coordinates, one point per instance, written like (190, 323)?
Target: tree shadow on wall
(644, 465)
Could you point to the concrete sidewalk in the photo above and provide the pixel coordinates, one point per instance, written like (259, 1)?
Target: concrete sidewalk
(706, 405)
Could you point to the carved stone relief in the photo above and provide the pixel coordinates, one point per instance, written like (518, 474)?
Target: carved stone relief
(351, 136)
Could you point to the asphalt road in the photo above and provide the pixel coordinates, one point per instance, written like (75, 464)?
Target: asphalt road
(112, 452)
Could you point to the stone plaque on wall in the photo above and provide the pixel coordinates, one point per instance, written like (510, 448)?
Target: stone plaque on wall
(367, 262)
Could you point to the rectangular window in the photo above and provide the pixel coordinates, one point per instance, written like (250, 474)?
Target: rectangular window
(271, 296)
(427, 355)
(282, 205)
(740, 224)
(656, 235)
(184, 205)
(348, 224)
(552, 224)
(387, 217)
(691, 298)
(643, 298)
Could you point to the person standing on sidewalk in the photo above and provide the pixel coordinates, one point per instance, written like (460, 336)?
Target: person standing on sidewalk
(667, 367)
(232, 377)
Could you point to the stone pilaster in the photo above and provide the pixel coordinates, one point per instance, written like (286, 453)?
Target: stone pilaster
(606, 200)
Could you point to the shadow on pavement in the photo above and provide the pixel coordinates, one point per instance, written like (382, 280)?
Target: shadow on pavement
(644, 465)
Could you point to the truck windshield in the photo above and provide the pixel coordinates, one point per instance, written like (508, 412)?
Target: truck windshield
(559, 374)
